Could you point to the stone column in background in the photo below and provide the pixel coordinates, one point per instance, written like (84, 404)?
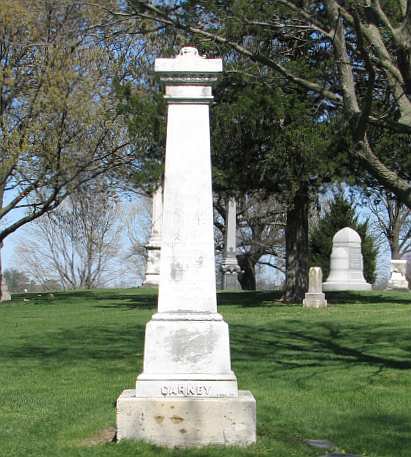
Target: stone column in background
(152, 275)
(230, 267)
(4, 292)
(398, 278)
(187, 394)
(315, 298)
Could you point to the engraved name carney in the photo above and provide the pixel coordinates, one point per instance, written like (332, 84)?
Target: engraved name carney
(185, 390)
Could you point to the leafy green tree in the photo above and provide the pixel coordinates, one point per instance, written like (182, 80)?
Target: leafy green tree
(352, 57)
(339, 215)
(272, 142)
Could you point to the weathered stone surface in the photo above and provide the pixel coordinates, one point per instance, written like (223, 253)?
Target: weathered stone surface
(314, 298)
(4, 294)
(187, 422)
(398, 278)
(346, 266)
(192, 352)
(152, 274)
(187, 364)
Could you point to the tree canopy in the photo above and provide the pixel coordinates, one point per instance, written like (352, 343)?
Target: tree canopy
(361, 49)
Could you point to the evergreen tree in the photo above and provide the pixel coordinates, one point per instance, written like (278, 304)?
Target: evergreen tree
(341, 214)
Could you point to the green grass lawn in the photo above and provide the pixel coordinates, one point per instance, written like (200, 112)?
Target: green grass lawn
(341, 374)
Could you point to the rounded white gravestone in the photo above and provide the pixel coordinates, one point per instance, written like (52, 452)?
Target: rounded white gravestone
(346, 266)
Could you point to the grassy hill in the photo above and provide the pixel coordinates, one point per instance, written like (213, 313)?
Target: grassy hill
(341, 374)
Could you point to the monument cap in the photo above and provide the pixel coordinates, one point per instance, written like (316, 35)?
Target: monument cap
(188, 61)
(347, 235)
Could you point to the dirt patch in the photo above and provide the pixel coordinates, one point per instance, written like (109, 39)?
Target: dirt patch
(107, 435)
(176, 419)
(159, 419)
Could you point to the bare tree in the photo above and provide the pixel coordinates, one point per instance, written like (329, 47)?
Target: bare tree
(260, 234)
(59, 123)
(77, 242)
(138, 225)
(390, 221)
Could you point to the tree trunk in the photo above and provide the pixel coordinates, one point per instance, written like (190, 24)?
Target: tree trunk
(296, 240)
(1, 241)
(395, 249)
(247, 275)
(1, 272)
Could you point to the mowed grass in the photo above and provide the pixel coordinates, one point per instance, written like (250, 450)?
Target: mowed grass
(341, 374)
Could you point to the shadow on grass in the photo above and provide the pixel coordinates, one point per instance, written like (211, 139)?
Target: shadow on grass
(128, 301)
(287, 344)
(147, 298)
(292, 345)
(250, 299)
(81, 344)
(351, 297)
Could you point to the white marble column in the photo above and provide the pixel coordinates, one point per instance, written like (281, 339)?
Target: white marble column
(229, 266)
(187, 394)
(187, 306)
(152, 275)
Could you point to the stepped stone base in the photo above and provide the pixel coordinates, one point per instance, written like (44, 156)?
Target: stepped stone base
(314, 300)
(150, 284)
(187, 422)
(398, 285)
(336, 286)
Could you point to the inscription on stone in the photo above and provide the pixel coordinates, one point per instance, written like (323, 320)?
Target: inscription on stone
(355, 259)
(185, 390)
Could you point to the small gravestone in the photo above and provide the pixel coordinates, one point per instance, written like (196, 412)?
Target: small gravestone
(398, 278)
(315, 298)
(5, 294)
(346, 265)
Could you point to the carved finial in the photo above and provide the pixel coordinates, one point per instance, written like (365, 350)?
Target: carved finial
(188, 51)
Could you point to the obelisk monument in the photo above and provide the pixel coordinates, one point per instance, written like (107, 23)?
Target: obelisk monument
(153, 248)
(229, 266)
(187, 394)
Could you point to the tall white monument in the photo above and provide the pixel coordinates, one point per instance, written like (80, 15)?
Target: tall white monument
(152, 275)
(346, 265)
(398, 279)
(187, 393)
(229, 266)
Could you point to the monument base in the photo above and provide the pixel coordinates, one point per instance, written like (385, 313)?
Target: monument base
(314, 300)
(336, 286)
(187, 422)
(398, 285)
(151, 282)
(230, 281)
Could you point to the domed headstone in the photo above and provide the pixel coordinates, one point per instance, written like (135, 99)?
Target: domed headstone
(346, 266)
